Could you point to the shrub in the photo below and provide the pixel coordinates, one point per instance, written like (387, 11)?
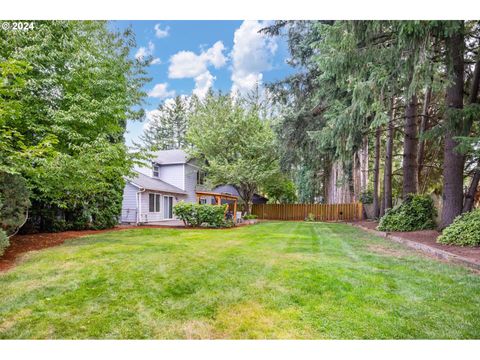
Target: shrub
(228, 223)
(3, 241)
(417, 212)
(200, 214)
(366, 197)
(14, 201)
(310, 217)
(464, 231)
(250, 217)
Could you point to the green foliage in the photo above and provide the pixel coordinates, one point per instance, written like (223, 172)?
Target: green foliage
(68, 89)
(347, 74)
(417, 212)
(237, 146)
(250, 217)
(14, 202)
(464, 231)
(366, 197)
(201, 214)
(310, 217)
(86, 189)
(168, 127)
(280, 190)
(4, 243)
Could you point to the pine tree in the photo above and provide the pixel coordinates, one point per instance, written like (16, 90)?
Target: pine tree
(169, 124)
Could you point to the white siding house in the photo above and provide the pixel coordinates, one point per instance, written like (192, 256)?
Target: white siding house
(149, 195)
(147, 199)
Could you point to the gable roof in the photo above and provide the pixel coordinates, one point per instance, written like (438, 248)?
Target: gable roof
(142, 181)
(170, 157)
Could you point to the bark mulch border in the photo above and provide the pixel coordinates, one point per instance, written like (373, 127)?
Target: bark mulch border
(430, 250)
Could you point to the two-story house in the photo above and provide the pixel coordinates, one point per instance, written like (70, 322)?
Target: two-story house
(149, 196)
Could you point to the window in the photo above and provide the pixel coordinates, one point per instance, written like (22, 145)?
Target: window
(154, 202)
(200, 177)
(155, 170)
(203, 201)
(167, 207)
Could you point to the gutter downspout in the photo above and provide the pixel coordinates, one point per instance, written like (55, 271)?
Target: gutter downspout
(139, 205)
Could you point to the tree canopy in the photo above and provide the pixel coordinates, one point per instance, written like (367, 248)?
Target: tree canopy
(68, 89)
(388, 89)
(235, 145)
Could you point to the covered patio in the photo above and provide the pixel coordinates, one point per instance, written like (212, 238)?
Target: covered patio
(231, 200)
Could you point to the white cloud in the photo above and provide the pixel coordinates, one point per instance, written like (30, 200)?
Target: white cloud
(187, 64)
(156, 61)
(144, 52)
(203, 83)
(214, 55)
(161, 91)
(251, 55)
(161, 33)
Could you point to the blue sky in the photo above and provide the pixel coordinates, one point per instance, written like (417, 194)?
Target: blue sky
(193, 56)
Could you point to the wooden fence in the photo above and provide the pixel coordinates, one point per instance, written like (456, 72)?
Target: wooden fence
(321, 212)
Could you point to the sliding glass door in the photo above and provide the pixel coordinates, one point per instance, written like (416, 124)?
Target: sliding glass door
(167, 207)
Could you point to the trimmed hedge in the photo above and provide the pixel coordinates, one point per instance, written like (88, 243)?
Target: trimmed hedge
(464, 231)
(201, 214)
(417, 212)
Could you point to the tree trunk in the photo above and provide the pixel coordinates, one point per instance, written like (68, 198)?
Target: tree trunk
(410, 144)
(472, 190)
(423, 128)
(453, 162)
(473, 96)
(246, 192)
(376, 170)
(472, 99)
(387, 171)
(382, 202)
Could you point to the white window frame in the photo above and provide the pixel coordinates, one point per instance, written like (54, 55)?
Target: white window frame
(164, 208)
(155, 197)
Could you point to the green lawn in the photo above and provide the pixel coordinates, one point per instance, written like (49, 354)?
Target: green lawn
(272, 280)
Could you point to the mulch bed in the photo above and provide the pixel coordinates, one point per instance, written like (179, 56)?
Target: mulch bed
(429, 237)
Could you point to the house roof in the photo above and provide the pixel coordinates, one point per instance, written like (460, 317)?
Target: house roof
(149, 183)
(232, 190)
(169, 157)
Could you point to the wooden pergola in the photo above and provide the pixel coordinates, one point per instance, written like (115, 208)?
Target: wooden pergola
(218, 198)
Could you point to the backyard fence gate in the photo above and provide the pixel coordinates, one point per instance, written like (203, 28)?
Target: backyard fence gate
(321, 212)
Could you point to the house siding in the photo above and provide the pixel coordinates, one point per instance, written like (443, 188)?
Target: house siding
(182, 176)
(146, 216)
(129, 204)
(172, 174)
(190, 183)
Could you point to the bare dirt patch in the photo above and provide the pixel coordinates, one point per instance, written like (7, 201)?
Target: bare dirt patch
(383, 250)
